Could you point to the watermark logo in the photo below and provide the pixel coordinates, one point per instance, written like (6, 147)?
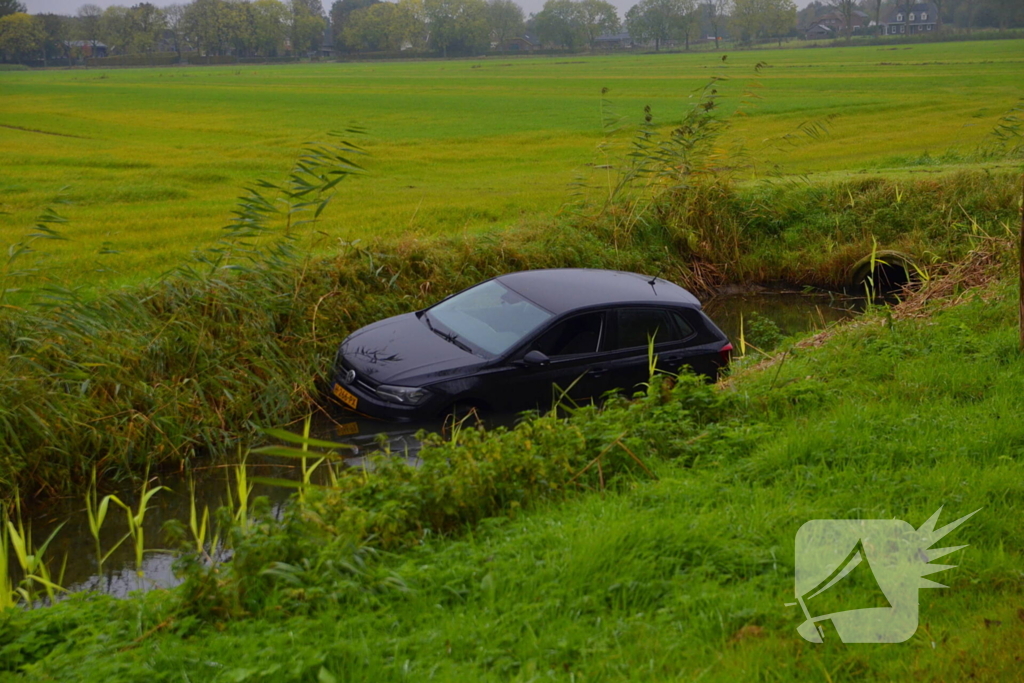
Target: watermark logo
(862, 576)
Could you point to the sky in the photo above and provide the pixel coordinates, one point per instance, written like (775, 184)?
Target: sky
(71, 6)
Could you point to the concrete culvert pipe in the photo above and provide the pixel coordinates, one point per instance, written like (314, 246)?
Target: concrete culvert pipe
(892, 270)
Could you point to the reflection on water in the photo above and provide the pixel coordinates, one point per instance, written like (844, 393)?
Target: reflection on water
(793, 312)
(75, 541)
(211, 484)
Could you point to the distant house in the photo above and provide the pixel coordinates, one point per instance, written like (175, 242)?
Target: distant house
(834, 24)
(614, 41)
(523, 43)
(88, 48)
(920, 18)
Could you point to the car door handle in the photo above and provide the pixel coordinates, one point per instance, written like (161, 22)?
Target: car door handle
(597, 372)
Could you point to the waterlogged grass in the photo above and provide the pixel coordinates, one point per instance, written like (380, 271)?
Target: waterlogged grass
(153, 158)
(677, 571)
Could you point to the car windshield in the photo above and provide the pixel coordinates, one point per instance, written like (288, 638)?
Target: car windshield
(490, 317)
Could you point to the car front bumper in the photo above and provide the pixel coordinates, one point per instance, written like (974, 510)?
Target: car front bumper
(360, 400)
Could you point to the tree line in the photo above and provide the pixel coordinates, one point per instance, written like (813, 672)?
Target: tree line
(473, 26)
(273, 28)
(269, 28)
(248, 28)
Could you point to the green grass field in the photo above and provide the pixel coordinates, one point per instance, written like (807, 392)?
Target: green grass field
(152, 159)
(509, 556)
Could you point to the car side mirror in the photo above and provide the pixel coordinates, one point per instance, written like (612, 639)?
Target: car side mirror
(535, 357)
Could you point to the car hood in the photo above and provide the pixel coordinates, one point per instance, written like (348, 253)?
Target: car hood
(403, 350)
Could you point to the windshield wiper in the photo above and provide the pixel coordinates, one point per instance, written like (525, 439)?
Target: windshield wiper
(447, 336)
(454, 339)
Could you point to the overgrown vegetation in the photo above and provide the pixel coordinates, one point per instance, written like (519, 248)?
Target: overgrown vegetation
(642, 541)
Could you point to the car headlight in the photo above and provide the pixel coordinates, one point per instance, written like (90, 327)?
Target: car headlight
(410, 396)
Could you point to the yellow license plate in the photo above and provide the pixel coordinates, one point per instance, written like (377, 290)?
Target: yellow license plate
(347, 429)
(345, 397)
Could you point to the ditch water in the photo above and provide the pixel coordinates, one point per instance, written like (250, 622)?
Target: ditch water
(794, 312)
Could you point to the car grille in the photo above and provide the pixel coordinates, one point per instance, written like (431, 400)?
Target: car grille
(361, 382)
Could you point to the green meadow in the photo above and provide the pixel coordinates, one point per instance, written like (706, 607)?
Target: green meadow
(151, 160)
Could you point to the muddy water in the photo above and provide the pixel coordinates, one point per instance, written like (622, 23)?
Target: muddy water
(793, 312)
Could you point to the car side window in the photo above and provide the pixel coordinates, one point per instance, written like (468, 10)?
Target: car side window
(636, 326)
(685, 329)
(577, 335)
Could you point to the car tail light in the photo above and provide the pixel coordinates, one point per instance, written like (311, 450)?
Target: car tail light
(726, 353)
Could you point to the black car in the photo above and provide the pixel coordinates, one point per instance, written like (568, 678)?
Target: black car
(502, 344)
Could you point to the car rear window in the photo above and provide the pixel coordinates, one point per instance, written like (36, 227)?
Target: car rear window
(683, 328)
(637, 326)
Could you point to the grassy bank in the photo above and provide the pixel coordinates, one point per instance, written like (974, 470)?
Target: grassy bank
(511, 559)
(166, 371)
(150, 158)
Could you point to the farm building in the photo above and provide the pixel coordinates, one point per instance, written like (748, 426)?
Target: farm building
(613, 41)
(523, 43)
(834, 24)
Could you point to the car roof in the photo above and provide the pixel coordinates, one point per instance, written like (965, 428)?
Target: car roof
(560, 290)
